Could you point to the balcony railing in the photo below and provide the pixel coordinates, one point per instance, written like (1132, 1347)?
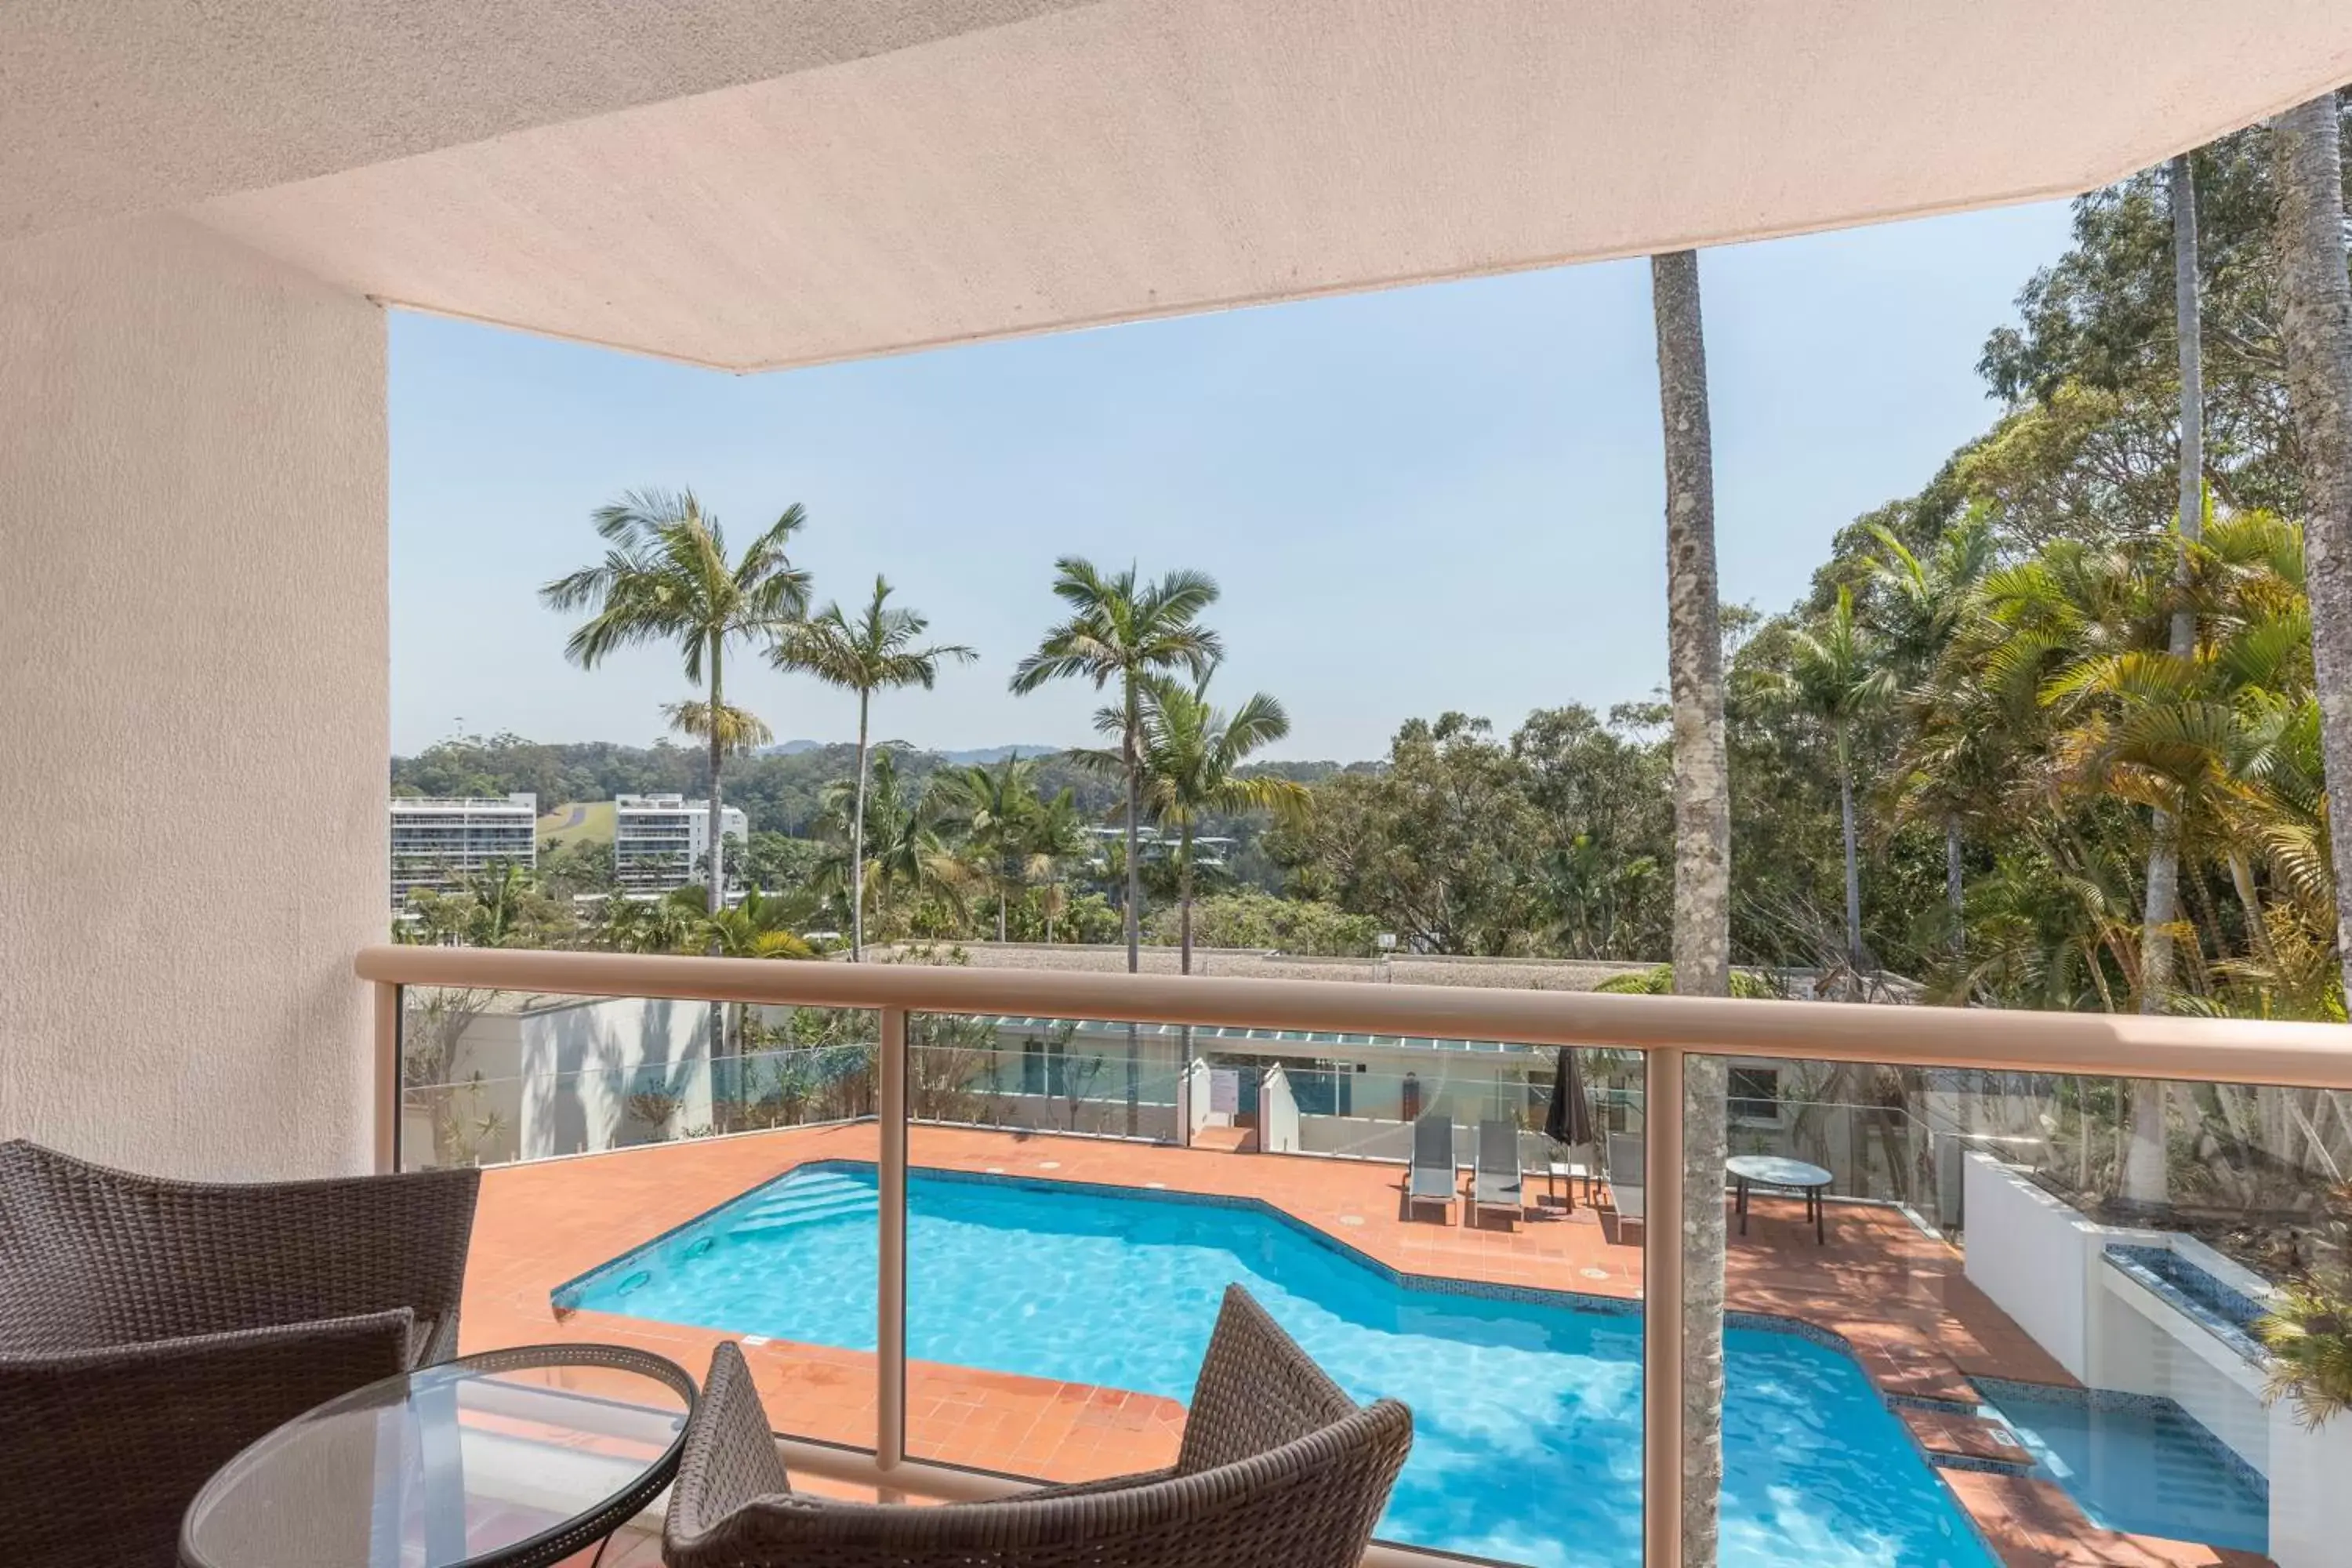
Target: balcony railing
(1665, 1031)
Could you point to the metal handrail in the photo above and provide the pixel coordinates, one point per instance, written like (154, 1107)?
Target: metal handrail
(1665, 1028)
(2204, 1050)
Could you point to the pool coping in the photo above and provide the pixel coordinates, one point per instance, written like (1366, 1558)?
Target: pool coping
(1935, 1461)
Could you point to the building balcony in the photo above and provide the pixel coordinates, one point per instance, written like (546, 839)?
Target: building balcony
(205, 213)
(1052, 1225)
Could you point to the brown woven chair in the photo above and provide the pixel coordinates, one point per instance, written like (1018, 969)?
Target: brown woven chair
(1278, 1468)
(150, 1329)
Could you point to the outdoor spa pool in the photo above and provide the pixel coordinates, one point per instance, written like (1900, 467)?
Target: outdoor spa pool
(1526, 1412)
(2137, 1464)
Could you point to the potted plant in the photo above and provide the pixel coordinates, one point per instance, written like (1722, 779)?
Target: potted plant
(2309, 1329)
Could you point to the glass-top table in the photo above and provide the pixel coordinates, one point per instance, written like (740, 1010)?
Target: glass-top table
(513, 1458)
(1780, 1170)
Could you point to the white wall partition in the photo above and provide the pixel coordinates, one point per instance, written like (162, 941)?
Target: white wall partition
(2042, 1262)
(193, 685)
(2031, 1253)
(1277, 1114)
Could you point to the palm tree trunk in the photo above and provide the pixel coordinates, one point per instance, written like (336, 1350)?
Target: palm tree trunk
(2318, 299)
(715, 826)
(2188, 317)
(1185, 903)
(1129, 742)
(1852, 881)
(1134, 872)
(857, 845)
(715, 823)
(2144, 1177)
(1702, 939)
(2258, 931)
(1954, 898)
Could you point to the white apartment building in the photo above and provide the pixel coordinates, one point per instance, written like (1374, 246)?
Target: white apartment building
(437, 842)
(659, 841)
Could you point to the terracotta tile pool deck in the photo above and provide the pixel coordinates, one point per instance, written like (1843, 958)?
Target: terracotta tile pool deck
(1897, 1296)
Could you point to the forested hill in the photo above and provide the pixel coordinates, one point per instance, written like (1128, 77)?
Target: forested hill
(779, 792)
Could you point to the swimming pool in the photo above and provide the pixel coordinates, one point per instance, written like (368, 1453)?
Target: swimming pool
(2137, 1464)
(1526, 1412)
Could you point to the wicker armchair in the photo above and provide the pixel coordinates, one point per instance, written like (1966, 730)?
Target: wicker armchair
(1278, 1468)
(149, 1329)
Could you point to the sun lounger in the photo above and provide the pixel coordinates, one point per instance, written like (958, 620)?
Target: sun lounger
(1433, 1162)
(1626, 1155)
(1498, 1183)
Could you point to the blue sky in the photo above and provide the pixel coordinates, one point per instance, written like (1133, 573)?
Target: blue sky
(1432, 498)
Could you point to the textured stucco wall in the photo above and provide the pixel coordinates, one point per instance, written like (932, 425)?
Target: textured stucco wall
(192, 674)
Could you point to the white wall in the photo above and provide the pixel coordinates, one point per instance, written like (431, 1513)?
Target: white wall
(2311, 1491)
(2040, 1262)
(2031, 1253)
(1277, 1114)
(583, 1064)
(192, 666)
(2141, 1343)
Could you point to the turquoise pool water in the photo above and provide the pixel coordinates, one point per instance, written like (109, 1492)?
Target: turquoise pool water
(1526, 1413)
(2146, 1466)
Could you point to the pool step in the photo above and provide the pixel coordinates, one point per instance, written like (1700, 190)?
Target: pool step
(807, 1203)
(1970, 1440)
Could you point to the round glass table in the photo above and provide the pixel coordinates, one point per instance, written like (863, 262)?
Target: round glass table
(513, 1458)
(1778, 1171)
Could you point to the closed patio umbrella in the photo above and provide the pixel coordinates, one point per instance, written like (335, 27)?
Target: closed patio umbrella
(1569, 1119)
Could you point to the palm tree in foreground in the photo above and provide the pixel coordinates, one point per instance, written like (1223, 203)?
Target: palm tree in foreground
(875, 652)
(1701, 942)
(1122, 631)
(1191, 751)
(2317, 293)
(666, 578)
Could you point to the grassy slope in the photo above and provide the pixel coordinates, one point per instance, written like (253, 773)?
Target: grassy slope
(594, 823)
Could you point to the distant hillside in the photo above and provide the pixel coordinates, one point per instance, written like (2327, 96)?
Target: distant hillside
(781, 792)
(957, 759)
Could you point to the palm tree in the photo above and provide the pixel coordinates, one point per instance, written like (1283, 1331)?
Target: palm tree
(1702, 939)
(875, 652)
(996, 810)
(1191, 751)
(1918, 607)
(759, 925)
(902, 852)
(1837, 677)
(1122, 631)
(666, 577)
(2164, 849)
(1058, 835)
(2317, 293)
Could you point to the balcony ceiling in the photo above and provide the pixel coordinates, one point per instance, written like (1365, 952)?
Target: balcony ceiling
(752, 186)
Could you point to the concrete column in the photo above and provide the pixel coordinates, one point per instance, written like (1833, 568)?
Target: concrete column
(192, 702)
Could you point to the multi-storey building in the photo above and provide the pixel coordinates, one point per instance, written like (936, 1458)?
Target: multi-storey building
(437, 843)
(661, 841)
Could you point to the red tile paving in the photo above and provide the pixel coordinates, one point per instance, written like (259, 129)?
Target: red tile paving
(1898, 1298)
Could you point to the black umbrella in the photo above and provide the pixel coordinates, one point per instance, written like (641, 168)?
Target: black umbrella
(1568, 1121)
